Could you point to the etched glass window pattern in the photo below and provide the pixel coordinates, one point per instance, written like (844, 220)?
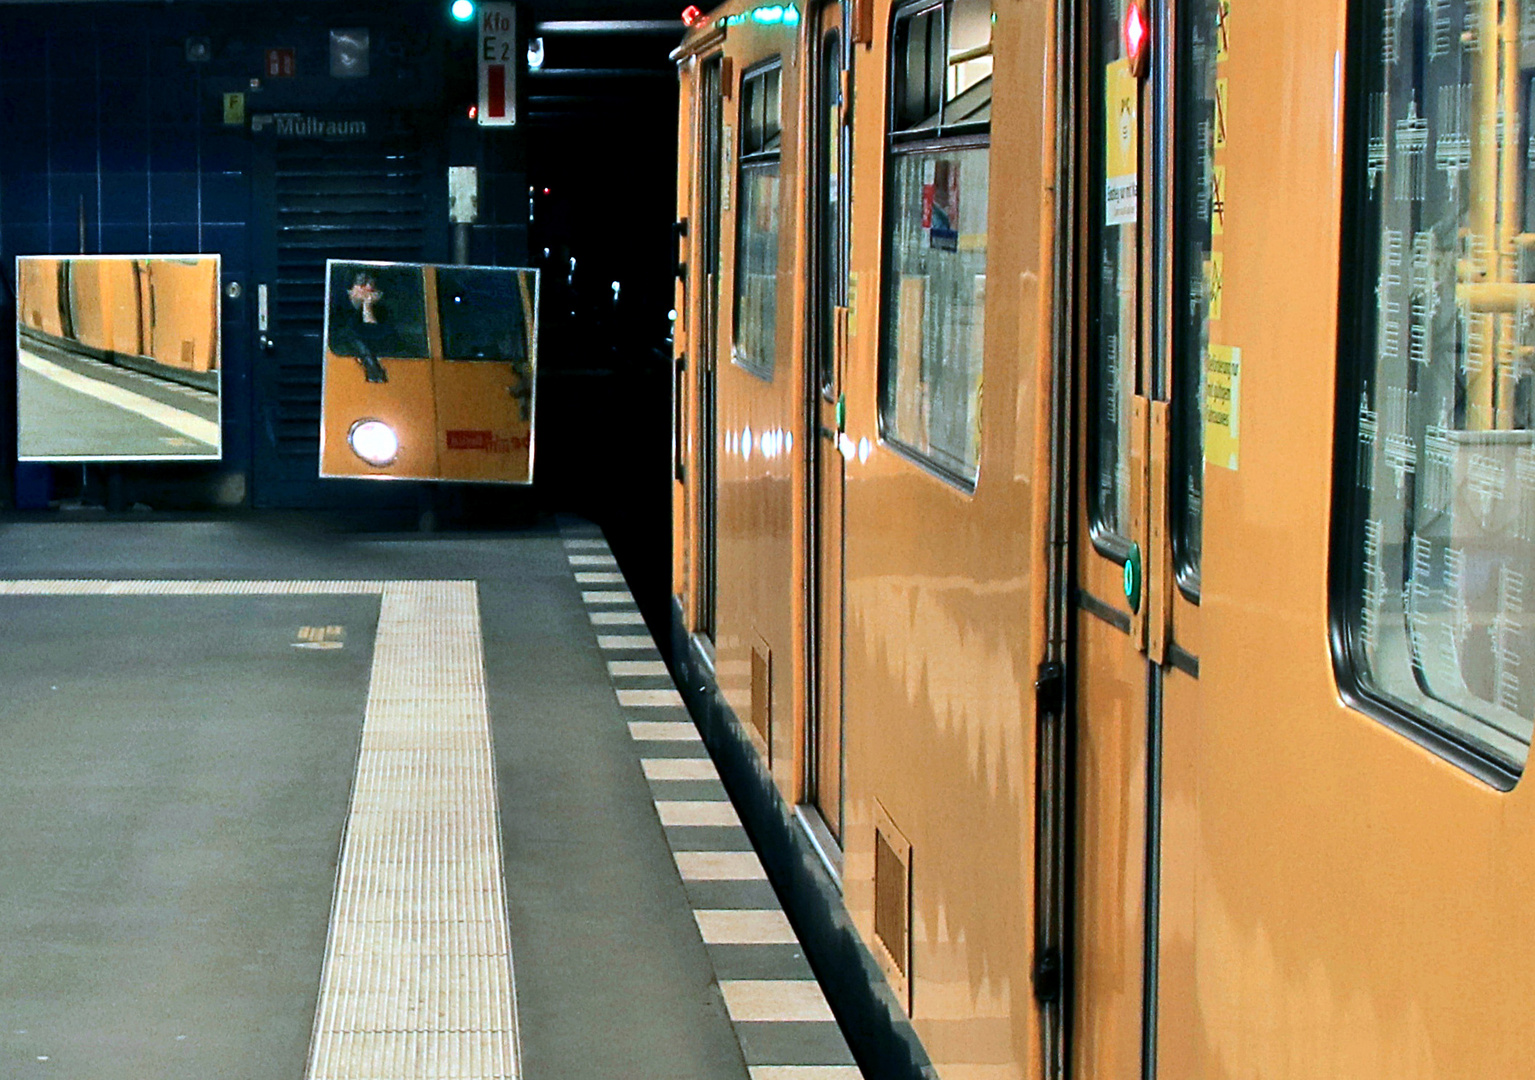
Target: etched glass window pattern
(1199, 271)
(933, 340)
(1113, 210)
(756, 298)
(1441, 597)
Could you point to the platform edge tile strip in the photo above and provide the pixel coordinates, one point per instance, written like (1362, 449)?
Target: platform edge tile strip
(755, 1006)
(178, 587)
(417, 977)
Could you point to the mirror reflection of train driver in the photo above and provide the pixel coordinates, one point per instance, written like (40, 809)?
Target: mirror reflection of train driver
(370, 326)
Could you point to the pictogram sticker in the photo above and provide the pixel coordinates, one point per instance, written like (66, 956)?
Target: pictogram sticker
(1217, 200)
(321, 637)
(1215, 284)
(1220, 113)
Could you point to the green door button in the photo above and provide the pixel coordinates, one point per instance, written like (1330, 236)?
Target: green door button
(1133, 578)
(841, 413)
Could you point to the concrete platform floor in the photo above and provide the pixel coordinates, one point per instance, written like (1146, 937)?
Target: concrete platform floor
(175, 773)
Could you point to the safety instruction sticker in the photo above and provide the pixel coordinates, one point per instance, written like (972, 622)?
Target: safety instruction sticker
(1121, 151)
(1223, 405)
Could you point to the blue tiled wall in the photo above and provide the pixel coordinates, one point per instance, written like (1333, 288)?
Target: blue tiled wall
(102, 115)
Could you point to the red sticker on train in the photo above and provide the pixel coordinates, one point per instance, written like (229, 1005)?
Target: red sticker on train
(470, 440)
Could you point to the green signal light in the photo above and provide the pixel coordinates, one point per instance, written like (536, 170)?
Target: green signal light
(462, 10)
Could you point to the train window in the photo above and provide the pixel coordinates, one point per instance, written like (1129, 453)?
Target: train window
(1113, 171)
(1199, 183)
(378, 311)
(756, 297)
(481, 314)
(1435, 549)
(935, 222)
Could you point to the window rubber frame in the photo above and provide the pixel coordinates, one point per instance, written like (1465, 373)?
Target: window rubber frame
(1109, 543)
(970, 136)
(1355, 347)
(744, 162)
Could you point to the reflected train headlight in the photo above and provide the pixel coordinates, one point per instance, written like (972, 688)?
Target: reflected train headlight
(374, 441)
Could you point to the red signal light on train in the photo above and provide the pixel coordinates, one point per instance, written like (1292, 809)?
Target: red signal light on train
(1137, 38)
(691, 16)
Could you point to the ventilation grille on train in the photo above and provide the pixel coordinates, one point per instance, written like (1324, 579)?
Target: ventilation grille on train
(762, 694)
(892, 903)
(362, 200)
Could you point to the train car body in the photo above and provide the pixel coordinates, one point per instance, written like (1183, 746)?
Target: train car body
(436, 364)
(1103, 475)
(157, 313)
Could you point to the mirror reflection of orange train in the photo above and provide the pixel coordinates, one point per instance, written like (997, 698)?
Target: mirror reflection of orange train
(157, 314)
(429, 372)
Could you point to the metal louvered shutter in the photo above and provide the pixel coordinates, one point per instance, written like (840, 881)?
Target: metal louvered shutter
(334, 200)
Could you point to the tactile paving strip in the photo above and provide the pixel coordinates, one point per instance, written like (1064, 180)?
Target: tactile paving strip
(417, 982)
(785, 1026)
(418, 969)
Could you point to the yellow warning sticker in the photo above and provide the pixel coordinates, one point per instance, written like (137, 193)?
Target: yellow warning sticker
(1220, 113)
(1217, 200)
(1215, 285)
(1121, 151)
(1221, 18)
(1223, 405)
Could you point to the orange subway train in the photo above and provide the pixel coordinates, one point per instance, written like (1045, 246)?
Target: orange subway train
(1104, 518)
(157, 314)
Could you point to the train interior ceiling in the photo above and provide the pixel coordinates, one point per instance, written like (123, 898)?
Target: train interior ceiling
(277, 136)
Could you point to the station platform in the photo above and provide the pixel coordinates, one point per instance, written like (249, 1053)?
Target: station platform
(280, 802)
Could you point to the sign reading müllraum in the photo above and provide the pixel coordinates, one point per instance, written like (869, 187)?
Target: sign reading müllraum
(499, 61)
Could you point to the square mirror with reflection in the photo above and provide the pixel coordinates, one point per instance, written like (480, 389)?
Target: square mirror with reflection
(117, 358)
(429, 372)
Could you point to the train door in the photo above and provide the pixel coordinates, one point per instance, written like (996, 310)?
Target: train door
(829, 217)
(1149, 294)
(483, 372)
(711, 150)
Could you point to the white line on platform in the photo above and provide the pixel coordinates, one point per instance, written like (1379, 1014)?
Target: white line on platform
(418, 966)
(649, 699)
(719, 866)
(668, 768)
(783, 1000)
(711, 812)
(620, 669)
(179, 420)
(617, 618)
(607, 596)
(168, 587)
(619, 642)
(745, 926)
(663, 731)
